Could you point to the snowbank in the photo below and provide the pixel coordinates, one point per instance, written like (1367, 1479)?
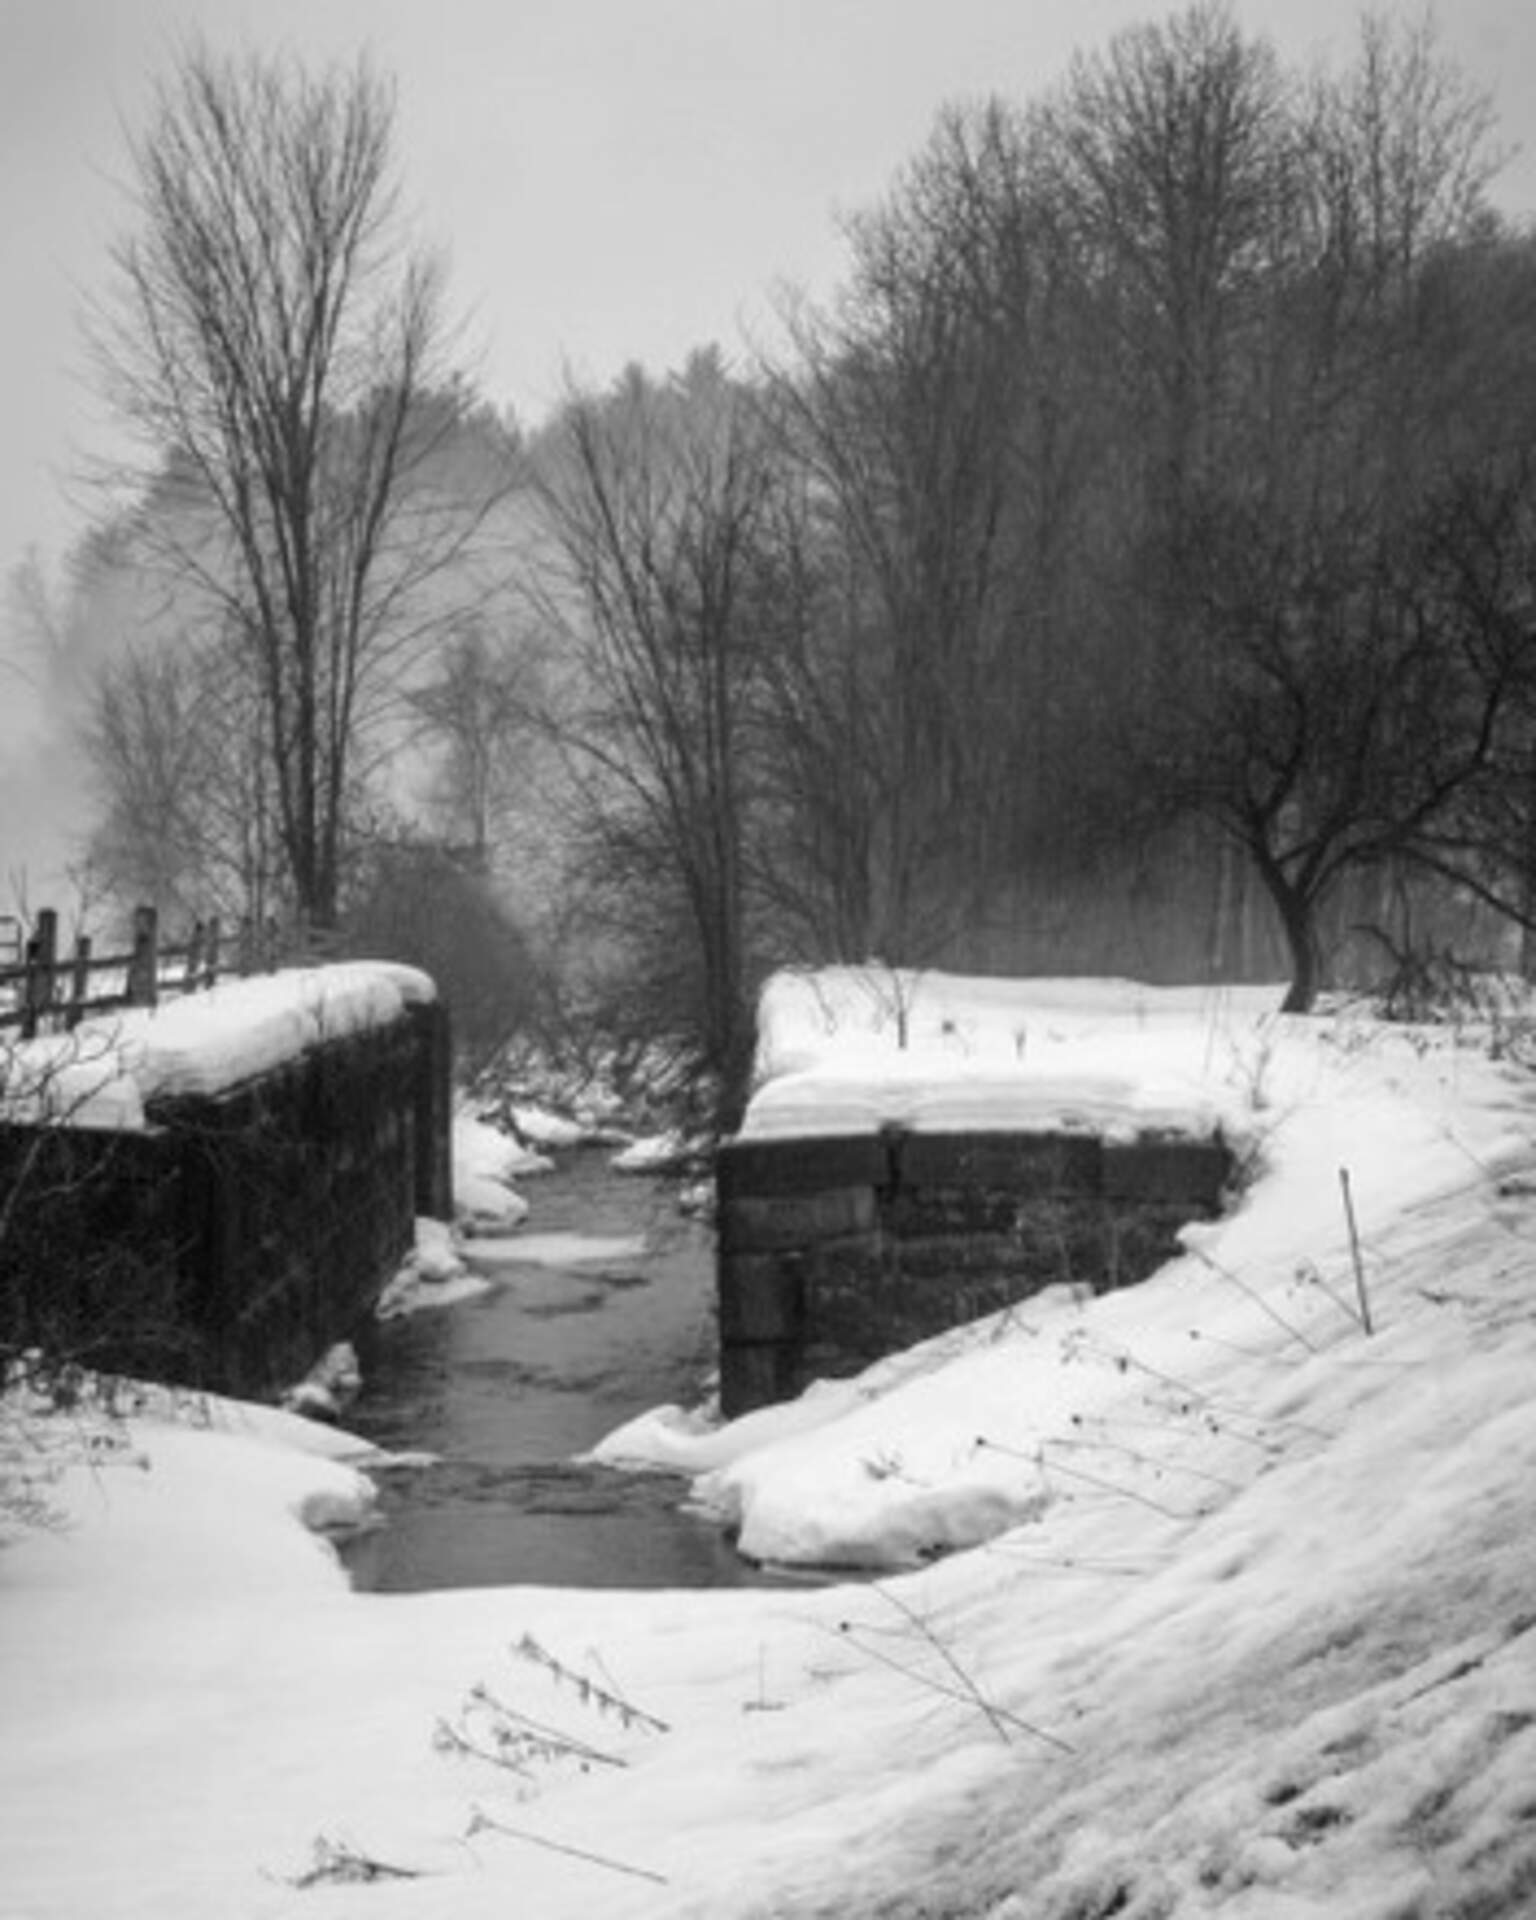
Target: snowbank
(432, 1275)
(1229, 1611)
(849, 1050)
(485, 1161)
(659, 1153)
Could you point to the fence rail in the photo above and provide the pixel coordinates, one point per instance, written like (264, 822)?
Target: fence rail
(45, 986)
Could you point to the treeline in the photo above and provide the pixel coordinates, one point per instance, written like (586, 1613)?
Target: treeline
(1152, 511)
(1133, 567)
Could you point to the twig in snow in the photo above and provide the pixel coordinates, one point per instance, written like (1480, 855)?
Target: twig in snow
(334, 1860)
(557, 1736)
(920, 1625)
(1354, 1251)
(1038, 1459)
(516, 1737)
(447, 1738)
(1309, 1274)
(762, 1704)
(1231, 1346)
(1226, 1273)
(966, 1691)
(1157, 1467)
(1501, 1186)
(1000, 1717)
(1193, 1400)
(1203, 1418)
(588, 1691)
(604, 1672)
(480, 1821)
(1068, 1563)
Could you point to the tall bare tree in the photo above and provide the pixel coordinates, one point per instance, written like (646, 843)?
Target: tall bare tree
(477, 710)
(901, 409)
(174, 743)
(1349, 672)
(660, 501)
(1169, 149)
(273, 338)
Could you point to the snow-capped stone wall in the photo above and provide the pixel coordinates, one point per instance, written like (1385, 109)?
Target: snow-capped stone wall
(249, 1215)
(835, 1252)
(922, 1150)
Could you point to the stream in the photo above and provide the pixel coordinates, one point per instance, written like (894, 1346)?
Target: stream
(602, 1307)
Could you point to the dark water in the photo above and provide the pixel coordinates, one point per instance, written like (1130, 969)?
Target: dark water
(508, 1387)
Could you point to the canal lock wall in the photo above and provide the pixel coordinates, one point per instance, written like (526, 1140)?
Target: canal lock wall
(239, 1234)
(834, 1252)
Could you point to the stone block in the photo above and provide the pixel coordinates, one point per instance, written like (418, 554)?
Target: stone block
(762, 1296)
(1020, 1164)
(757, 1222)
(757, 1376)
(939, 1258)
(1193, 1172)
(913, 1213)
(768, 1168)
(1143, 1235)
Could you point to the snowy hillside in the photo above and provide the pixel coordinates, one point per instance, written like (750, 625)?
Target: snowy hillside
(1193, 1599)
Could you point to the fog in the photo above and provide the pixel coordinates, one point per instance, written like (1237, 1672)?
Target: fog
(45, 801)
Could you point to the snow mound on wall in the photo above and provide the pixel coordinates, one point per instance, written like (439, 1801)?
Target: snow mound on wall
(1248, 1629)
(848, 1050)
(105, 1072)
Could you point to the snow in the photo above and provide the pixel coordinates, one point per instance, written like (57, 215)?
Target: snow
(433, 1275)
(849, 1050)
(542, 1128)
(558, 1249)
(656, 1153)
(485, 1151)
(330, 1386)
(485, 1160)
(104, 1072)
(1191, 1599)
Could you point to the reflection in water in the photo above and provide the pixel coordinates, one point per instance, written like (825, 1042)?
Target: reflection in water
(508, 1388)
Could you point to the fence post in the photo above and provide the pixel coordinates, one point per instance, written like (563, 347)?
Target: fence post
(194, 967)
(211, 952)
(144, 966)
(42, 962)
(80, 981)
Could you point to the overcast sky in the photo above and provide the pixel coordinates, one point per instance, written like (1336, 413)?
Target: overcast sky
(613, 179)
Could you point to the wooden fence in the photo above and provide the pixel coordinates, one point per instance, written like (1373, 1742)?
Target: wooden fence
(44, 987)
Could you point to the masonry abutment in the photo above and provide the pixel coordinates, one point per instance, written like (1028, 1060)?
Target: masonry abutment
(248, 1229)
(836, 1251)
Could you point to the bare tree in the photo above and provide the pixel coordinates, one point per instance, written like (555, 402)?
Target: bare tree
(1168, 153)
(187, 821)
(273, 339)
(478, 709)
(1356, 565)
(659, 499)
(900, 411)
(1484, 840)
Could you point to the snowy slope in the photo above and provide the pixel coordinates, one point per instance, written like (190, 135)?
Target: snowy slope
(1235, 1608)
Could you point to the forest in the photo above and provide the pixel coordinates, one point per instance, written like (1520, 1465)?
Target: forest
(1131, 569)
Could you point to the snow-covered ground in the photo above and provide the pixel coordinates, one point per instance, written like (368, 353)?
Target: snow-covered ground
(1195, 1598)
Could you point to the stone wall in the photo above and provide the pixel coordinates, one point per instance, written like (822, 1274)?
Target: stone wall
(242, 1233)
(836, 1251)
